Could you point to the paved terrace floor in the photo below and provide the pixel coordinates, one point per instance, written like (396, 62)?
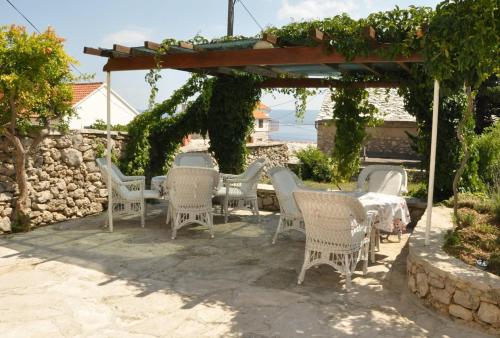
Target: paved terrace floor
(73, 279)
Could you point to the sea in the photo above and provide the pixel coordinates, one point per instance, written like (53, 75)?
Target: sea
(291, 129)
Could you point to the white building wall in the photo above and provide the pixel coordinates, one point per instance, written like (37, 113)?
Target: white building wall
(93, 107)
(261, 134)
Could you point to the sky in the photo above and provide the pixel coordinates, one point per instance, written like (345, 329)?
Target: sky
(101, 23)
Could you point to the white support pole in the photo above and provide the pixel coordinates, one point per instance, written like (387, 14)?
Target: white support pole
(432, 165)
(108, 152)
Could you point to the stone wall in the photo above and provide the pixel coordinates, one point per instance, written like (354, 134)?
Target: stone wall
(447, 284)
(63, 178)
(276, 153)
(387, 141)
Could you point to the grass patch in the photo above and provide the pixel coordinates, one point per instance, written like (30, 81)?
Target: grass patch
(477, 237)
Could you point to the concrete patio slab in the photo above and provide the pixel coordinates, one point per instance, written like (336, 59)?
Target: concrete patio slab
(74, 279)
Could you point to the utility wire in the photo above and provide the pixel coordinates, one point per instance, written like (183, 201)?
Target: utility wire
(251, 15)
(24, 16)
(36, 28)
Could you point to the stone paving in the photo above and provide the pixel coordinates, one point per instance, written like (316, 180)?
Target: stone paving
(74, 279)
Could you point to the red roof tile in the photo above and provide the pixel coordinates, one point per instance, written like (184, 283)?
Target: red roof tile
(82, 90)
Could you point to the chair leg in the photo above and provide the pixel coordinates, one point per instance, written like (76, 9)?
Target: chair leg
(347, 270)
(175, 219)
(302, 273)
(210, 224)
(143, 212)
(278, 230)
(255, 210)
(167, 219)
(372, 245)
(226, 202)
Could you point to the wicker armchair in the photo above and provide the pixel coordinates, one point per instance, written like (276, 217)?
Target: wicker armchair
(203, 160)
(337, 232)
(191, 190)
(128, 192)
(240, 191)
(386, 179)
(285, 182)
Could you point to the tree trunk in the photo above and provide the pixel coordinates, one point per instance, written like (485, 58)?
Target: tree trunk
(465, 147)
(21, 217)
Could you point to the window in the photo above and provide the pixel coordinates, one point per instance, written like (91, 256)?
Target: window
(261, 123)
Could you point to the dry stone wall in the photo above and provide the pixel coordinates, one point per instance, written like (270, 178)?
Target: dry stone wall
(447, 284)
(63, 179)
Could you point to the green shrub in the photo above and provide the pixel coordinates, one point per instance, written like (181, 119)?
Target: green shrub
(314, 165)
(451, 239)
(466, 219)
(101, 125)
(495, 202)
(488, 147)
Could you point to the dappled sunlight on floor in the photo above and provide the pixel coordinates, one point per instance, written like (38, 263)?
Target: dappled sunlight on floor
(74, 278)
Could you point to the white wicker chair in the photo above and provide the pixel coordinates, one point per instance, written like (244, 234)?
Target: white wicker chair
(285, 182)
(191, 190)
(385, 179)
(203, 160)
(128, 192)
(240, 191)
(337, 232)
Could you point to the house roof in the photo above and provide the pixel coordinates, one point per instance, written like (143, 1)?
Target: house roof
(82, 90)
(260, 111)
(390, 106)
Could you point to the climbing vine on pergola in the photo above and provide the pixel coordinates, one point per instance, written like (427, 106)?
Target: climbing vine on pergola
(457, 44)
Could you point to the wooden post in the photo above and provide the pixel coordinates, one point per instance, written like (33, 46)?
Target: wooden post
(432, 165)
(108, 152)
(230, 17)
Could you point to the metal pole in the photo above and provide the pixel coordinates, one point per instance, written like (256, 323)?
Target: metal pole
(108, 152)
(230, 16)
(432, 165)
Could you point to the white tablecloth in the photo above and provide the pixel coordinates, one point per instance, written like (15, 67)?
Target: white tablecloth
(392, 211)
(158, 184)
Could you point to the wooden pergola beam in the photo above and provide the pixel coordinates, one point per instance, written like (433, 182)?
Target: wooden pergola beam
(370, 34)
(92, 51)
(324, 83)
(121, 49)
(272, 39)
(317, 35)
(152, 45)
(247, 57)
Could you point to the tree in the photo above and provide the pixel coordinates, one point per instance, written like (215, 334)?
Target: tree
(463, 46)
(35, 95)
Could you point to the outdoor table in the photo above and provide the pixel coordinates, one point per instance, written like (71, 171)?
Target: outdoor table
(158, 184)
(392, 211)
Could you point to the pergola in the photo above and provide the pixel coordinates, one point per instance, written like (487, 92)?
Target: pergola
(283, 65)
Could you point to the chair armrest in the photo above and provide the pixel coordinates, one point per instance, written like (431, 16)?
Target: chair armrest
(133, 178)
(134, 184)
(225, 177)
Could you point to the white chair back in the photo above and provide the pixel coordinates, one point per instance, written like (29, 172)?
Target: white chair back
(331, 220)
(252, 176)
(191, 187)
(119, 190)
(385, 179)
(285, 182)
(202, 160)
